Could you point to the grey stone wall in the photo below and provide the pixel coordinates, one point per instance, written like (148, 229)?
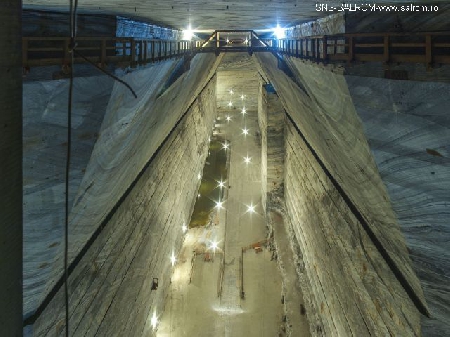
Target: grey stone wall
(114, 146)
(342, 264)
(408, 129)
(328, 25)
(45, 148)
(132, 28)
(46, 23)
(111, 286)
(271, 120)
(262, 123)
(352, 290)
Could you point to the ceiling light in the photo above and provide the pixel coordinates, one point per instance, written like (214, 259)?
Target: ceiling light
(245, 131)
(221, 184)
(242, 96)
(188, 34)
(219, 204)
(228, 118)
(173, 259)
(280, 33)
(247, 159)
(244, 110)
(225, 146)
(184, 228)
(199, 176)
(230, 104)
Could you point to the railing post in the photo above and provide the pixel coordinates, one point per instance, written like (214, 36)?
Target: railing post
(66, 60)
(152, 45)
(306, 47)
(103, 53)
(428, 52)
(159, 50)
(325, 48)
(386, 50)
(145, 42)
(133, 53)
(317, 49)
(25, 53)
(350, 49)
(301, 47)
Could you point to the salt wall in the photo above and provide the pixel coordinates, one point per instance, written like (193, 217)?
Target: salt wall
(407, 125)
(352, 289)
(136, 191)
(271, 119)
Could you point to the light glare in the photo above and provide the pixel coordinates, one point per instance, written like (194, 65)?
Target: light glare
(154, 320)
(225, 145)
(188, 34)
(214, 245)
(280, 33)
(173, 259)
(247, 159)
(230, 104)
(228, 118)
(184, 228)
(251, 209)
(244, 111)
(219, 204)
(245, 131)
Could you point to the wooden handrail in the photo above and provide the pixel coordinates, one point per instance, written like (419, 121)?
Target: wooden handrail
(371, 47)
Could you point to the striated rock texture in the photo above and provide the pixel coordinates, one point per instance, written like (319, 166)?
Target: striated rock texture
(271, 119)
(335, 201)
(408, 129)
(352, 290)
(328, 25)
(45, 147)
(130, 133)
(111, 286)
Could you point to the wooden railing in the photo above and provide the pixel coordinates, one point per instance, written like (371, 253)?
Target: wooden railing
(427, 48)
(45, 51)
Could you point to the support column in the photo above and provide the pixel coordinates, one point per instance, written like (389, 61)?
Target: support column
(11, 168)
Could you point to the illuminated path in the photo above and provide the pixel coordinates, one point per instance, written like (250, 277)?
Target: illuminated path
(195, 309)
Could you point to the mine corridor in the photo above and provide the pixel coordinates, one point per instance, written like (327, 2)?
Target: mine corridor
(252, 168)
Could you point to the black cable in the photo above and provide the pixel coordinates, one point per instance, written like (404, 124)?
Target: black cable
(73, 13)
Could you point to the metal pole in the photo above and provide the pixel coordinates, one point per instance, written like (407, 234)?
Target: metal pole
(11, 168)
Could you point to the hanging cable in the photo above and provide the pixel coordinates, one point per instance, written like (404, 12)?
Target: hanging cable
(73, 51)
(73, 31)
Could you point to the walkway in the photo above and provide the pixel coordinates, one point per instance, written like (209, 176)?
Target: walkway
(195, 309)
